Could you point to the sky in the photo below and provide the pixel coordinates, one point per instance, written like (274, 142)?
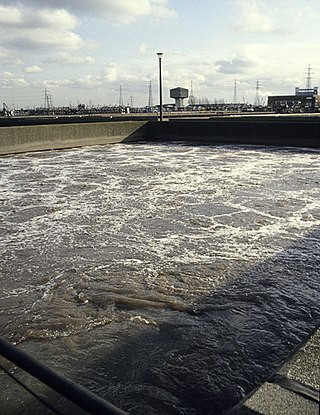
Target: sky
(81, 51)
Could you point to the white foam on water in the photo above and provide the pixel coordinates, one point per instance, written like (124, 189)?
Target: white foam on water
(146, 210)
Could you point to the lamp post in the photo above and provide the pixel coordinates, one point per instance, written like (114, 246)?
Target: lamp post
(160, 84)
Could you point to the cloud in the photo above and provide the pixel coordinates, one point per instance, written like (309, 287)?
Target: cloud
(121, 73)
(8, 58)
(57, 19)
(27, 29)
(7, 75)
(89, 82)
(161, 11)
(252, 19)
(233, 66)
(41, 38)
(10, 15)
(129, 11)
(112, 73)
(64, 58)
(32, 69)
(48, 27)
(10, 80)
(26, 17)
(143, 48)
(56, 83)
(124, 10)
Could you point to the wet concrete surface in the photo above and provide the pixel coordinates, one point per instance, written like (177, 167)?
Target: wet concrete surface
(303, 367)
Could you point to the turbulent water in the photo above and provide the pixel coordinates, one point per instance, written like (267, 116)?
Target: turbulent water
(168, 279)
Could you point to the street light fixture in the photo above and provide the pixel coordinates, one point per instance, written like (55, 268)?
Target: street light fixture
(160, 84)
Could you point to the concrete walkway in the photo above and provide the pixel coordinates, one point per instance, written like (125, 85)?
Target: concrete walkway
(295, 389)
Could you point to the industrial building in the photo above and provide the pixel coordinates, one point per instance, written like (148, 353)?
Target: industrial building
(179, 94)
(304, 100)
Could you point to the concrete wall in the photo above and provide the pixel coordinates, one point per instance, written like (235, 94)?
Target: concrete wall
(297, 132)
(290, 131)
(17, 139)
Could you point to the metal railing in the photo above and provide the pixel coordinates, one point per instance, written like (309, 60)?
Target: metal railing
(75, 393)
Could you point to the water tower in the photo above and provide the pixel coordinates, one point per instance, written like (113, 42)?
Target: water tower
(179, 94)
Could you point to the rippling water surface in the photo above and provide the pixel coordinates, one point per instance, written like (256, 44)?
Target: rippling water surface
(168, 279)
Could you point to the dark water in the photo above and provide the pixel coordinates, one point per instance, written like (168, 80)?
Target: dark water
(168, 279)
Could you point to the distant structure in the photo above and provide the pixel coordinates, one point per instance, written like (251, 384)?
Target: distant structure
(179, 94)
(308, 83)
(7, 112)
(235, 98)
(47, 100)
(150, 100)
(192, 98)
(120, 97)
(308, 90)
(257, 99)
(305, 99)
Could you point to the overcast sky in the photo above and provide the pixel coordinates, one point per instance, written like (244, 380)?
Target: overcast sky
(83, 50)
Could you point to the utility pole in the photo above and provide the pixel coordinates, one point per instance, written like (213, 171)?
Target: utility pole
(160, 54)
